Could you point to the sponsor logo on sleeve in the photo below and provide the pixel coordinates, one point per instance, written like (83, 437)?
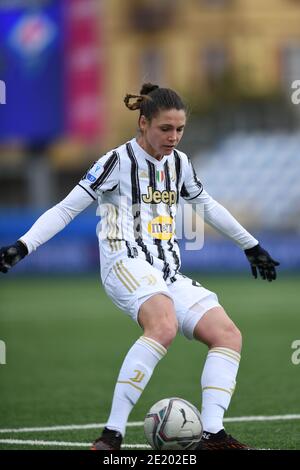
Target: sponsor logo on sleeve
(91, 177)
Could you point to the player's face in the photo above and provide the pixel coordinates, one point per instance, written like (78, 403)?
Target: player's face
(163, 133)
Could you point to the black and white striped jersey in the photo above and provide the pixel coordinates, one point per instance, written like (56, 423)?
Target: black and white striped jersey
(138, 200)
(138, 204)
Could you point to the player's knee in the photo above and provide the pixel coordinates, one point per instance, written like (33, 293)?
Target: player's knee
(230, 337)
(158, 319)
(163, 333)
(167, 335)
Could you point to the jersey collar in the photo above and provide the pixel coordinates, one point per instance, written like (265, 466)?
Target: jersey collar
(140, 152)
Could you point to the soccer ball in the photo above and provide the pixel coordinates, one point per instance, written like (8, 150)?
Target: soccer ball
(173, 423)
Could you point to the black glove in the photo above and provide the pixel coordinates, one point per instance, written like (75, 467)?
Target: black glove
(11, 255)
(261, 260)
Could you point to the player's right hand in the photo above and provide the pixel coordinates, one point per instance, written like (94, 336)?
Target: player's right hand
(11, 255)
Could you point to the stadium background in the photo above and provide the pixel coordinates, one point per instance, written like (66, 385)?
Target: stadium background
(66, 66)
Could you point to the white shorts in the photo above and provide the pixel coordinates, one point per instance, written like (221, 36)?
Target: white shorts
(131, 282)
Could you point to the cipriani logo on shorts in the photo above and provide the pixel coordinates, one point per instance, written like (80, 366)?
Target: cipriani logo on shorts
(2, 352)
(2, 92)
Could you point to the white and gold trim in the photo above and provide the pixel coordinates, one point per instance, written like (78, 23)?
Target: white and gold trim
(153, 344)
(230, 392)
(125, 276)
(115, 245)
(130, 383)
(226, 352)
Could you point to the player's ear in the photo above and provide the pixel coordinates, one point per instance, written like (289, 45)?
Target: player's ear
(143, 121)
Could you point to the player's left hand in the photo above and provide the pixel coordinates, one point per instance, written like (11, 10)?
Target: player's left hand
(260, 260)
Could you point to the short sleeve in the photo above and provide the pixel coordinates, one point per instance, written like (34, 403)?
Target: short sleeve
(102, 176)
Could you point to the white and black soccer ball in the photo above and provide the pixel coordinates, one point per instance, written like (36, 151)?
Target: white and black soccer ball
(173, 423)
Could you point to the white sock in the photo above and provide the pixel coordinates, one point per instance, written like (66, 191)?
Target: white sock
(218, 384)
(134, 375)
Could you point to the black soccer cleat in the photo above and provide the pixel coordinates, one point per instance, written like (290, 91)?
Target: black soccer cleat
(109, 440)
(220, 441)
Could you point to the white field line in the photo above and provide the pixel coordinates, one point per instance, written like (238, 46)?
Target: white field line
(261, 418)
(64, 444)
(71, 427)
(68, 427)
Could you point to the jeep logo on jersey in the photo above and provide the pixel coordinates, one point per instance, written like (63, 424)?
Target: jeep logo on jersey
(161, 227)
(156, 196)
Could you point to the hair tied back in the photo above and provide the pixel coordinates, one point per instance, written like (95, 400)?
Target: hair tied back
(136, 104)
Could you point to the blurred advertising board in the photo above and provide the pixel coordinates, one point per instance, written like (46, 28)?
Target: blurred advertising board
(51, 68)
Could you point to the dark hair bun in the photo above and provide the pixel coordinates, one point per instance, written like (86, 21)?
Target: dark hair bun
(147, 88)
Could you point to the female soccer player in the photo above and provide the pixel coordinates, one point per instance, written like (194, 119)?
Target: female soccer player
(138, 186)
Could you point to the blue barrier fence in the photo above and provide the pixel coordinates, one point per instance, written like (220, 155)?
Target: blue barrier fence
(75, 249)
